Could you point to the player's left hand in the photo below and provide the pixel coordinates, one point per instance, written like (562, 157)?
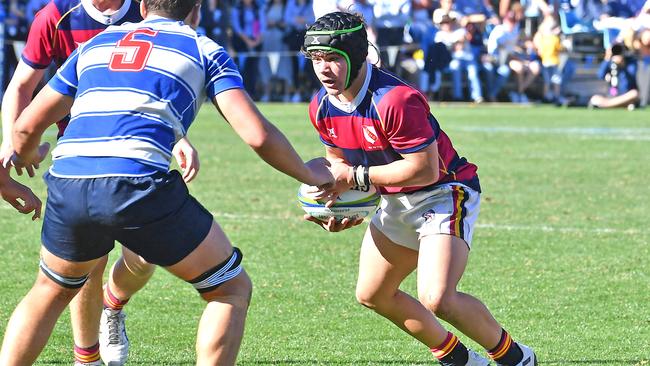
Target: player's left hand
(21, 198)
(332, 225)
(187, 158)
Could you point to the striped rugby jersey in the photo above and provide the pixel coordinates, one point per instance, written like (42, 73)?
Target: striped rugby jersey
(62, 25)
(386, 119)
(137, 89)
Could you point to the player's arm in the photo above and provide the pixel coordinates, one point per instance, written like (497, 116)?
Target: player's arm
(17, 96)
(266, 140)
(416, 169)
(48, 106)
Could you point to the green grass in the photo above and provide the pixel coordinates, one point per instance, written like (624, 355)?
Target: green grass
(560, 249)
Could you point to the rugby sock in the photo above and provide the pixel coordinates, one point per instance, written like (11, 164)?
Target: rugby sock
(507, 352)
(86, 355)
(451, 352)
(111, 301)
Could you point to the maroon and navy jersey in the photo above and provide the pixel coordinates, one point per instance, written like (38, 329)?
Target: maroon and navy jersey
(388, 118)
(62, 25)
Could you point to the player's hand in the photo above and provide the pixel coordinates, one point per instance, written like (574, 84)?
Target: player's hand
(21, 198)
(332, 225)
(187, 158)
(321, 176)
(30, 162)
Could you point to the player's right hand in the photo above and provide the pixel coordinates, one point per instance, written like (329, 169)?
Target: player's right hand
(21, 198)
(31, 162)
(321, 175)
(332, 225)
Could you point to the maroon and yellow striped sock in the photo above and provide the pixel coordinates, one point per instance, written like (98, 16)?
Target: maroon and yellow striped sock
(86, 355)
(111, 301)
(451, 352)
(507, 352)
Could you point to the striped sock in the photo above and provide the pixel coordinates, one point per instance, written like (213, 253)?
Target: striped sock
(86, 355)
(507, 352)
(451, 352)
(111, 301)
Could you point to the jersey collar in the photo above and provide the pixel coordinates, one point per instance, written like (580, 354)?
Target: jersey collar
(350, 107)
(103, 18)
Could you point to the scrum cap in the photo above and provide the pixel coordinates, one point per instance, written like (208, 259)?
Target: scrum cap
(343, 33)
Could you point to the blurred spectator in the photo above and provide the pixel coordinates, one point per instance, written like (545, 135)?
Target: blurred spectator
(15, 35)
(248, 26)
(421, 28)
(642, 46)
(390, 19)
(215, 20)
(501, 44)
(298, 14)
(509, 55)
(585, 12)
(322, 7)
(276, 70)
(531, 8)
(547, 43)
(455, 38)
(619, 70)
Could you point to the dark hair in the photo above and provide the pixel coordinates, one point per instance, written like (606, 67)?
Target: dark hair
(618, 49)
(343, 33)
(174, 9)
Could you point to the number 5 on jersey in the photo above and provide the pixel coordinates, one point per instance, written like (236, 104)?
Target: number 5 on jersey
(132, 54)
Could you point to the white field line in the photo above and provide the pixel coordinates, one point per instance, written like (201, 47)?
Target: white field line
(600, 133)
(502, 227)
(541, 228)
(603, 133)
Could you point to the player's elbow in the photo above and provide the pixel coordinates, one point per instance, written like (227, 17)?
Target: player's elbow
(428, 176)
(257, 140)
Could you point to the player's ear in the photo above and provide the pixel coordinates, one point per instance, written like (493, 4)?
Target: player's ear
(143, 9)
(194, 17)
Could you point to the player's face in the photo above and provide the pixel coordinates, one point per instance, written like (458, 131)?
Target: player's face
(331, 70)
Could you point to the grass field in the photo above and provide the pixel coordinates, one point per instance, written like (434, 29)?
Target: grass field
(561, 252)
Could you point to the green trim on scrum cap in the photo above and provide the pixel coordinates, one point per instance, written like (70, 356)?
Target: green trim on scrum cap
(342, 53)
(335, 32)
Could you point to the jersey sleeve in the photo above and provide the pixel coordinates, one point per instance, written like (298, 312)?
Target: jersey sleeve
(38, 51)
(66, 80)
(405, 115)
(221, 72)
(320, 126)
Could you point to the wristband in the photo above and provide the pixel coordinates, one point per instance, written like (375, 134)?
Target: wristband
(354, 175)
(361, 176)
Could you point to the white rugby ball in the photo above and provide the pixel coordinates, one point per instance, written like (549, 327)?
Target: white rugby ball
(355, 203)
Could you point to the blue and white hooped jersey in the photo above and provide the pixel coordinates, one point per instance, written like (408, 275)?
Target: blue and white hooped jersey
(137, 89)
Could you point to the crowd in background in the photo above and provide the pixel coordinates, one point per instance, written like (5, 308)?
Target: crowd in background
(461, 50)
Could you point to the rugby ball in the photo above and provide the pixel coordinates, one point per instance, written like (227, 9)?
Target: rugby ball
(355, 203)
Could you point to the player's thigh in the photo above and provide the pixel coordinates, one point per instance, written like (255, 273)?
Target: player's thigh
(66, 268)
(441, 264)
(383, 264)
(213, 250)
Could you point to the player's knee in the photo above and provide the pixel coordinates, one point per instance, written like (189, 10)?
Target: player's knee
(137, 266)
(370, 299)
(439, 303)
(228, 280)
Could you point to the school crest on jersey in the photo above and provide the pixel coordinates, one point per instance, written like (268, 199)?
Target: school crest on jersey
(370, 134)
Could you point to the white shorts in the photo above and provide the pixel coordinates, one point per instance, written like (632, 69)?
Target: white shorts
(448, 209)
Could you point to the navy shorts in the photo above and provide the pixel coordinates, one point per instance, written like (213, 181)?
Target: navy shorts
(154, 216)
